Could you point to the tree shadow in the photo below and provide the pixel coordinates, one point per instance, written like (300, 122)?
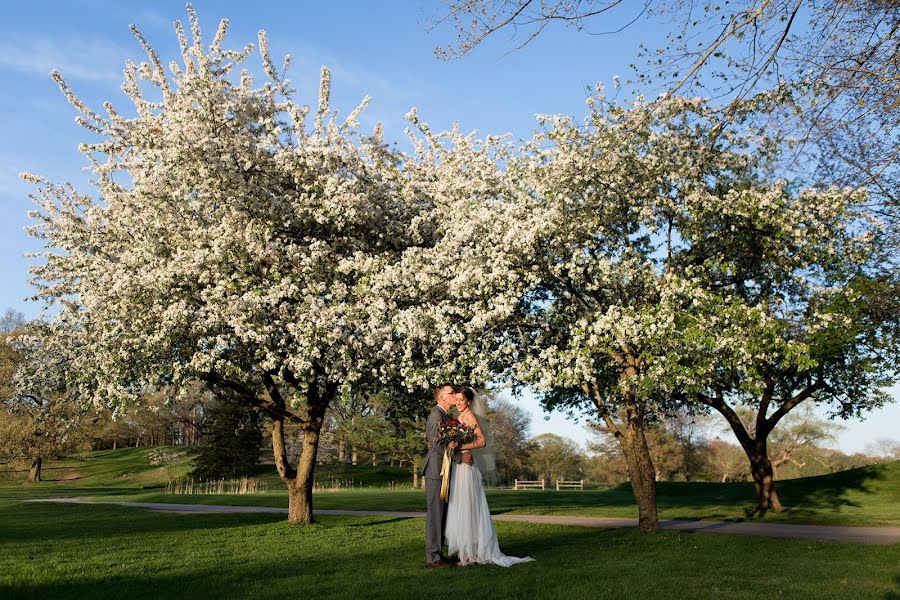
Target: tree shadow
(84, 521)
(380, 522)
(808, 498)
(347, 571)
(832, 491)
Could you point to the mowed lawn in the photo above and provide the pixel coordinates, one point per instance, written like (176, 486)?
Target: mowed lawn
(866, 496)
(92, 551)
(78, 551)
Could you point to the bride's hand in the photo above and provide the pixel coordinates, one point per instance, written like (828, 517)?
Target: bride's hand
(453, 445)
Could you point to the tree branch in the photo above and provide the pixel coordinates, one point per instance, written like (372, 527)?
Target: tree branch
(602, 409)
(740, 431)
(792, 403)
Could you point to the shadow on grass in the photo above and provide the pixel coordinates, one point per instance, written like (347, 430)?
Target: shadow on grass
(37, 491)
(895, 593)
(380, 522)
(112, 552)
(67, 521)
(802, 498)
(362, 569)
(811, 492)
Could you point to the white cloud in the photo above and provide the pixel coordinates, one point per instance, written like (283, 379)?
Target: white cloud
(90, 60)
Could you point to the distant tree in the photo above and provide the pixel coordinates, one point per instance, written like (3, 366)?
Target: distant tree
(386, 425)
(665, 449)
(690, 432)
(11, 320)
(555, 457)
(509, 424)
(232, 438)
(884, 449)
(368, 429)
(40, 421)
(800, 435)
(166, 460)
(727, 461)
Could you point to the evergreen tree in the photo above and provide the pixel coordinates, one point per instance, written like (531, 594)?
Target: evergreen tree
(233, 437)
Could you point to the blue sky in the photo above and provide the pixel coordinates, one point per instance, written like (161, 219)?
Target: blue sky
(378, 48)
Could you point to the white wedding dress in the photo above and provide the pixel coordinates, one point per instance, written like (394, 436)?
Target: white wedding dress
(469, 530)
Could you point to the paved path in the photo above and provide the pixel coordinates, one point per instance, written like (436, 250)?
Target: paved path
(858, 535)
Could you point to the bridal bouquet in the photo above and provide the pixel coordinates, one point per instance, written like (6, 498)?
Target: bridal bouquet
(451, 431)
(454, 431)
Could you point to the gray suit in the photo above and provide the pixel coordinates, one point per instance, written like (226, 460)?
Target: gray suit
(436, 514)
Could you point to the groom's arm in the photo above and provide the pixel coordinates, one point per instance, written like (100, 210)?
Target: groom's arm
(431, 428)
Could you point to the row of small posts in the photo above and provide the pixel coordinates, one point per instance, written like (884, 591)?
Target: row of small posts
(561, 484)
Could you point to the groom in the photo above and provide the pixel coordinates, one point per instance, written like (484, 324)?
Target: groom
(436, 514)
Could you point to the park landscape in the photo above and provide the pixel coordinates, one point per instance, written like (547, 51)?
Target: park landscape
(106, 551)
(250, 289)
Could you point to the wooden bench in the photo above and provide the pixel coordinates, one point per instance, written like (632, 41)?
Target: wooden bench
(569, 485)
(524, 484)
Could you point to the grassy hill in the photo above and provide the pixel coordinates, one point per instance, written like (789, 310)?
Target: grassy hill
(131, 469)
(865, 496)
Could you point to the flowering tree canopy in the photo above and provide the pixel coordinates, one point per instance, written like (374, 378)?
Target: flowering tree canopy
(677, 270)
(642, 260)
(228, 239)
(451, 294)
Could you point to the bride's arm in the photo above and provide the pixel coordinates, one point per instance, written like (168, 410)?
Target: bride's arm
(479, 439)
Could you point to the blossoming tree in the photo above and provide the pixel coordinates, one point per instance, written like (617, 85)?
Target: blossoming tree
(590, 264)
(542, 269)
(40, 417)
(452, 295)
(609, 301)
(228, 240)
(674, 270)
(801, 306)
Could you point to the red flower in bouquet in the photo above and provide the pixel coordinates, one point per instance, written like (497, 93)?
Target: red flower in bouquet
(455, 431)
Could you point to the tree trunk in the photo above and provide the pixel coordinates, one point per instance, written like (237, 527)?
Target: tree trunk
(34, 476)
(633, 443)
(764, 478)
(299, 480)
(642, 475)
(300, 488)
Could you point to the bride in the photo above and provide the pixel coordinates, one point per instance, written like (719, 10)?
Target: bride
(469, 530)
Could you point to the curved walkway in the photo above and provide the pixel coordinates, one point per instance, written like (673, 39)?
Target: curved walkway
(834, 533)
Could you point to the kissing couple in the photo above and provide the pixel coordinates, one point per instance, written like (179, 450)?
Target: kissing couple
(461, 516)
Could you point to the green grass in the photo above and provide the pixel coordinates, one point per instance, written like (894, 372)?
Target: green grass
(866, 496)
(130, 468)
(78, 551)
(90, 551)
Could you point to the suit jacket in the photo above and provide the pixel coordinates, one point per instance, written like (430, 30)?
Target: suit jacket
(432, 467)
